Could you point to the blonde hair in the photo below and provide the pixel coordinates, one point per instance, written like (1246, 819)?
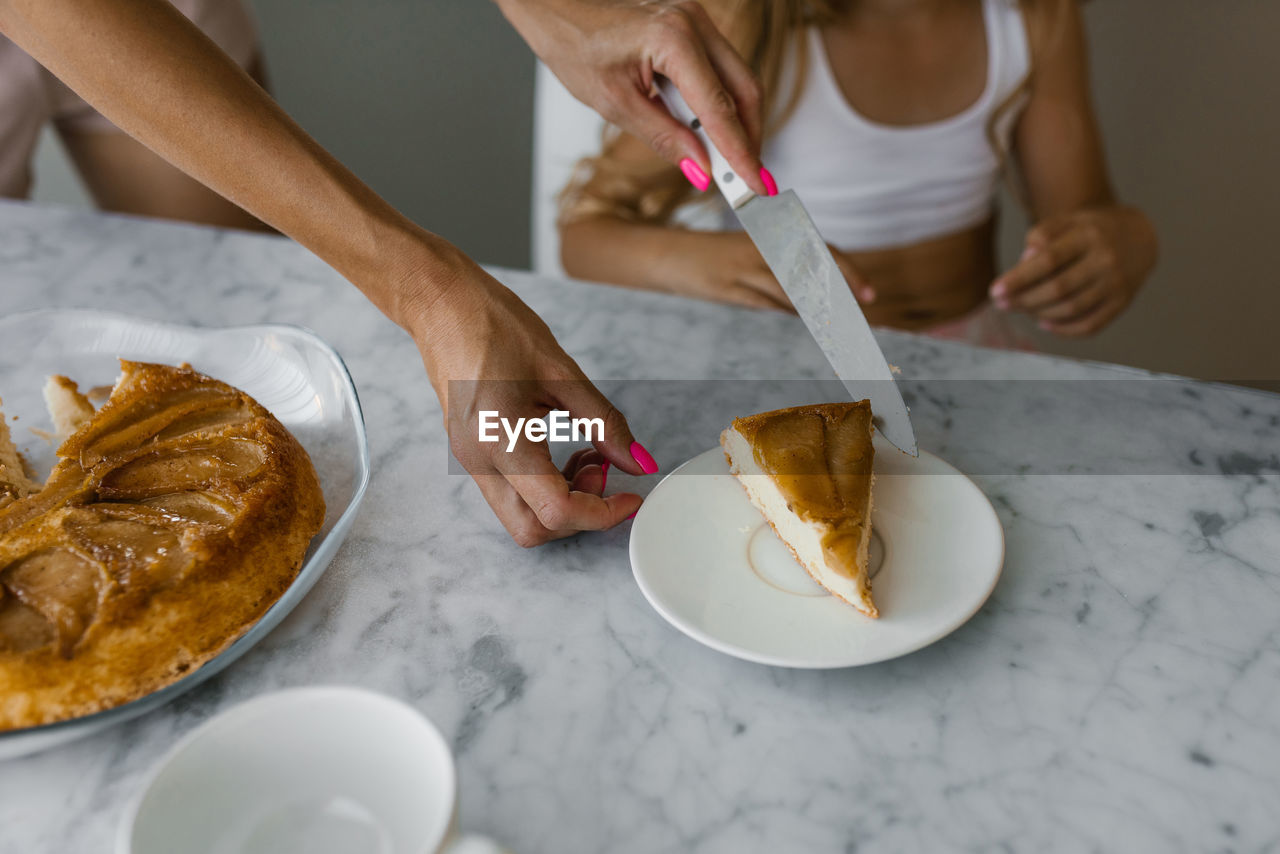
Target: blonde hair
(764, 32)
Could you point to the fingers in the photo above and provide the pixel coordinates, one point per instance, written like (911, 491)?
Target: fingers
(862, 290)
(568, 512)
(556, 506)
(647, 119)
(1075, 304)
(1059, 288)
(694, 55)
(614, 441)
(550, 506)
(586, 470)
(580, 459)
(751, 296)
(1047, 230)
(588, 479)
(757, 287)
(1037, 263)
(1090, 323)
(737, 76)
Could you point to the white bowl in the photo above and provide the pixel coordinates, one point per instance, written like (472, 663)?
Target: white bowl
(289, 370)
(315, 770)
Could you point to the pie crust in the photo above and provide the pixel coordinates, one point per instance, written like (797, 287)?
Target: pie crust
(173, 519)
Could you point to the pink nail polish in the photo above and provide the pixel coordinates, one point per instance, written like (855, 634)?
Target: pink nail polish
(694, 173)
(770, 185)
(999, 291)
(1028, 252)
(647, 464)
(604, 474)
(633, 515)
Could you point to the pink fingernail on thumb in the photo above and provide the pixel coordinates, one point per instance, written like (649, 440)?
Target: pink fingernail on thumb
(647, 463)
(604, 475)
(694, 173)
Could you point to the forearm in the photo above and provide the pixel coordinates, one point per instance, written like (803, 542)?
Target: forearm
(155, 75)
(636, 255)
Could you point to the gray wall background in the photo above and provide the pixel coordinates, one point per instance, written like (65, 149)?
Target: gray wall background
(431, 104)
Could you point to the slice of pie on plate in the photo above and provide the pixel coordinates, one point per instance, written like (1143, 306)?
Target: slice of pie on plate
(808, 470)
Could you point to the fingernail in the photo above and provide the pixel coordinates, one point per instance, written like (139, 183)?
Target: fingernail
(644, 458)
(1028, 252)
(1045, 325)
(633, 515)
(770, 185)
(694, 173)
(604, 474)
(1002, 304)
(999, 291)
(868, 295)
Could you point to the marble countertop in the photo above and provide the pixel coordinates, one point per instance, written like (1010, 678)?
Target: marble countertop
(1120, 691)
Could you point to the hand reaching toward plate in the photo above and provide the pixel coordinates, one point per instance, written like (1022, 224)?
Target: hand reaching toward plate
(485, 350)
(1080, 270)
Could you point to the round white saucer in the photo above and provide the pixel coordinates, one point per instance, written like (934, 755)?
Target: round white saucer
(708, 562)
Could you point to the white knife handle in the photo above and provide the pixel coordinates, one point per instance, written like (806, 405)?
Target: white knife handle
(732, 187)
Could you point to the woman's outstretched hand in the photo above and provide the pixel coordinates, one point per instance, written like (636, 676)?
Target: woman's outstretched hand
(607, 52)
(143, 65)
(485, 350)
(1080, 270)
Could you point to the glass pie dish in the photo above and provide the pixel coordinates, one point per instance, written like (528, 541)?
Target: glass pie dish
(287, 369)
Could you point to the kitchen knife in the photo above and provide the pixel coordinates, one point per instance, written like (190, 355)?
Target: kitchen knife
(797, 255)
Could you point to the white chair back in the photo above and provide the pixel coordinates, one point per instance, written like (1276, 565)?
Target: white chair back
(564, 131)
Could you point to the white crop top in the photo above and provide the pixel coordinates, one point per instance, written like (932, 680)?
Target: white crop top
(875, 186)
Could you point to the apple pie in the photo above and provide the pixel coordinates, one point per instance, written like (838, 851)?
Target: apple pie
(176, 515)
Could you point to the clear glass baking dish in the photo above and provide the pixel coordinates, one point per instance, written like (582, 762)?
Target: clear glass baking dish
(289, 370)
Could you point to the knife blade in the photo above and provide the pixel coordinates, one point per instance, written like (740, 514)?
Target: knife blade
(797, 255)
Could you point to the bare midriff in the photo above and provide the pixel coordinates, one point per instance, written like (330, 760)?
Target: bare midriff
(929, 283)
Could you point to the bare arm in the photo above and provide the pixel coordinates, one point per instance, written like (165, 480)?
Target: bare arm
(1087, 255)
(623, 247)
(156, 76)
(606, 239)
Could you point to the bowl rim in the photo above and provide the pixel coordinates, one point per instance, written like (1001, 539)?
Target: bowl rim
(215, 665)
(305, 697)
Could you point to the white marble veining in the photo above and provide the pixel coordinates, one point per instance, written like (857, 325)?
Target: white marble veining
(1119, 692)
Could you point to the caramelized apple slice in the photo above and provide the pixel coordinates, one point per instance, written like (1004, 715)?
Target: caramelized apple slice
(61, 586)
(126, 427)
(167, 471)
(195, 506)
(21, 627)
(205, 421)
(135, 554)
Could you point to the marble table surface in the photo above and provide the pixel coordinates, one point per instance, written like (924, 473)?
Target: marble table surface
(1120, 691)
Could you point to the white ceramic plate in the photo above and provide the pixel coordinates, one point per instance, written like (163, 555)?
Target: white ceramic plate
(289, 370)
(708, 562)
